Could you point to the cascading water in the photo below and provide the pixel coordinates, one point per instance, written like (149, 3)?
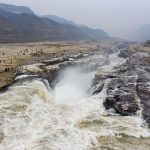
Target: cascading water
(34, 117)
(73, 86)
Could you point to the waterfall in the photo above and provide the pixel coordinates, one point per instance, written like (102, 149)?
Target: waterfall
(35, 116)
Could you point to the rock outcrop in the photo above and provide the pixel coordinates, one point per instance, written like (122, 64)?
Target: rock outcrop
(125, 53)
(122, 96)
(128, 90)
(50, 69)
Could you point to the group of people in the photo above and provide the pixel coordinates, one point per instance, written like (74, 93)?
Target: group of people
(11, 61)
(6, 69)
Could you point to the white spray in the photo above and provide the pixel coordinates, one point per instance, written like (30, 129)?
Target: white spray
(73, 86)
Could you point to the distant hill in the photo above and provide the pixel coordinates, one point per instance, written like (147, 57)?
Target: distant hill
(18, 26)
(60, 19)
(16, 9)
(143, 33)
(95, 34)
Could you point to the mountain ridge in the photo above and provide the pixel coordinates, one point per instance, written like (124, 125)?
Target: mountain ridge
(60, 20)
(16, 9)
(28, 27)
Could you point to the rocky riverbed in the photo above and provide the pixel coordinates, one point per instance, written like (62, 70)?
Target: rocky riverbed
(128, 91)
(90, 100)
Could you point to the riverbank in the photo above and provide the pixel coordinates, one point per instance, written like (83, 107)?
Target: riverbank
(128, 91)
(15, 55)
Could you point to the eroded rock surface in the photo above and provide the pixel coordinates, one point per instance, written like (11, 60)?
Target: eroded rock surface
(50, 69)
(128, 90)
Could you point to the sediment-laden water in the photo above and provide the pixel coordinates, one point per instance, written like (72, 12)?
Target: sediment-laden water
(35, 117)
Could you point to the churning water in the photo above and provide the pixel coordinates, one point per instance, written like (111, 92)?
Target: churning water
(73, 86)
(35, 117)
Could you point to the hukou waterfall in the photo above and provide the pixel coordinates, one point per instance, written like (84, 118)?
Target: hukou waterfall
(68, 112)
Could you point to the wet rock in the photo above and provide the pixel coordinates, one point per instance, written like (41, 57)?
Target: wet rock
(143, 91)
(122, 95)
(143, 79)
(126, 108)
(56, 60)
(100, 76)
(115, 83)
(131, 84)
(125, 53)
(109, 102)
(33, 68)
(121, 91)
(123, 104)
(98, 88)
(147, 69)
(80, 55)
(99, 81)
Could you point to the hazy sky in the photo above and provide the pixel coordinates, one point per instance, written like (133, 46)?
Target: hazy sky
(117, 17)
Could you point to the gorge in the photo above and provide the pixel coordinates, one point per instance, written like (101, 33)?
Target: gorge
(91, 100)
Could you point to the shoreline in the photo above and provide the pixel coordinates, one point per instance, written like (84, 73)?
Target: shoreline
(19, 54)
(16, 55)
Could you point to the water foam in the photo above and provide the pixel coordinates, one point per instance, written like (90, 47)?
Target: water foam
(31, 119)
(73, 86)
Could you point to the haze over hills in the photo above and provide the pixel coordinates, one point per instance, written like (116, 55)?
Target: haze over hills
(143, 33)
(60, 19)
(92, 33)
(20, 24)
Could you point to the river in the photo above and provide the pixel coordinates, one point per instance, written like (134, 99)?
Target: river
(33, 116)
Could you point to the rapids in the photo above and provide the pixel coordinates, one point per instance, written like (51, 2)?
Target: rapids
(33, 116)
